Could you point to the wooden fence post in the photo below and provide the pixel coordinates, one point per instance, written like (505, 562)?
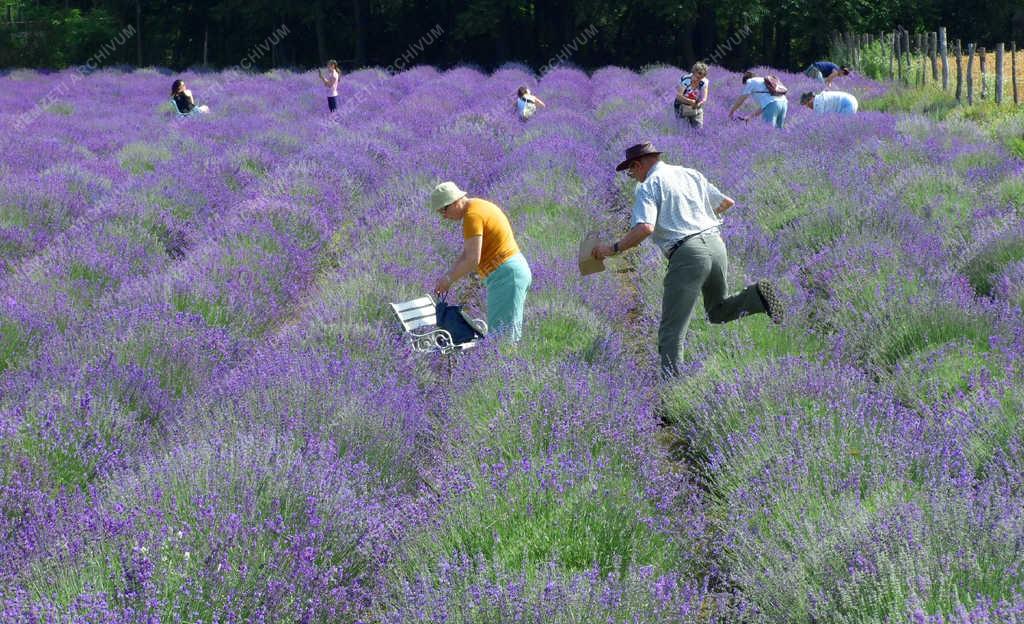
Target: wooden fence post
(944, 53)
(981, 64)
(892, 53)
(933, 48)
(1013, 70)
(999, 72)
(906, 53)
(959, 71)
(919, 50)
(970, 74)
(897, 49)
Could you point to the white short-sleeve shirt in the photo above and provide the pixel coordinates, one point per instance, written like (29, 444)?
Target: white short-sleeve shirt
(678, 202)
(835, 102)
(756, 88)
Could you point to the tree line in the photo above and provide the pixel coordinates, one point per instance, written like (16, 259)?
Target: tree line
(488, 33)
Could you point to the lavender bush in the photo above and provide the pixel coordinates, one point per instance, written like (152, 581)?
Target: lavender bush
(208, 412)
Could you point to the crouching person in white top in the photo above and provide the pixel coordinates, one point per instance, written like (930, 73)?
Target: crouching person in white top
(526, 103)
(680, 211)
(830, 102)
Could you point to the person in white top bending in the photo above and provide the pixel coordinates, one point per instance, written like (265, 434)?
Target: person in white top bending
(526, 103)
(773, 107)
(839, 102)
(680, 211)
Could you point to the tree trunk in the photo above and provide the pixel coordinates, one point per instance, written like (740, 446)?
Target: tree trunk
(318, 28)
(359, 17)
(138, 33)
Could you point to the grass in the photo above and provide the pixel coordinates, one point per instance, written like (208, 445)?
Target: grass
(526, 521)
(13, 344)
(1011, 192)
(786, 193)
(12, 216)
(911, 331)
(990, 261)
(216, 313)
(940, 197)
(935, 374)
(141, 157)
(87, 284)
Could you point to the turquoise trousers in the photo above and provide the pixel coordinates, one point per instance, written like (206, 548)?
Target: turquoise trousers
(506, 296)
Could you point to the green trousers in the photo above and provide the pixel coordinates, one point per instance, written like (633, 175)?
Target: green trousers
(506, 297)
(698, 267)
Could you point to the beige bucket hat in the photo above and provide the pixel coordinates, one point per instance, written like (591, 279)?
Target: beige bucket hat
(444, 194)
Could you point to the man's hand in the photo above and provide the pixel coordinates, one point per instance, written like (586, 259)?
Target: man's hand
(443, 285)
(600, 252)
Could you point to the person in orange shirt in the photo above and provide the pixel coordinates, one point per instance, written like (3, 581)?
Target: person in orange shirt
(490, 249)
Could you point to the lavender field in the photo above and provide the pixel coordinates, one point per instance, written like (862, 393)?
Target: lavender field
(208, 412)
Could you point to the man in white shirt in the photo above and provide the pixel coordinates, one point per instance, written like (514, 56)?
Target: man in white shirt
(830, 102)
(679, 209)
(773, 107)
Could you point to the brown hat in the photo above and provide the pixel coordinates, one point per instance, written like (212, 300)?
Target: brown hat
(637, 151)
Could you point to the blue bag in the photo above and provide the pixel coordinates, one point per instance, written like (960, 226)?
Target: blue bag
(451, 319)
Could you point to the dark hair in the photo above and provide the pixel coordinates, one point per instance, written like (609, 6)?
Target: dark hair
(845, 70)
(177, 85)
(747, 75)
(521, 91)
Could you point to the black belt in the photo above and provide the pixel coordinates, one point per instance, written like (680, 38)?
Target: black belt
(679, 243)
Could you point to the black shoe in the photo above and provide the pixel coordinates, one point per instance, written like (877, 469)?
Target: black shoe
(770, 300)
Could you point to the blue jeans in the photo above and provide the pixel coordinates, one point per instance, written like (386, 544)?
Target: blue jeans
(814, 73)
(775, 113)
(506, 296)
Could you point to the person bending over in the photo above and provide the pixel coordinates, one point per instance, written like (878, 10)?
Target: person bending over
(680, 211)
(490, 249)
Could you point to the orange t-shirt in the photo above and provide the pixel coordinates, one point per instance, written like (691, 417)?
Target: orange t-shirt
(485, 219)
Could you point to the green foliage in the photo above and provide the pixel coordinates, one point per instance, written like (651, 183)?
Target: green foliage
(991, 260)
(928, 100)
(13, 343)
(216, 313)
(935, 374)
(142, 157)
(874, 60)
(911, 331)
(56, 37)
(939, 195)
(1011, 193)
(524, 522)
(86, 283)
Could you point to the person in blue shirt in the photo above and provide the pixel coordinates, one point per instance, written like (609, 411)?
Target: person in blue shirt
(826, 71)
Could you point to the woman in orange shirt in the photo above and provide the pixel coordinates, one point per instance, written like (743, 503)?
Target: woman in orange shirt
(490, 249)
